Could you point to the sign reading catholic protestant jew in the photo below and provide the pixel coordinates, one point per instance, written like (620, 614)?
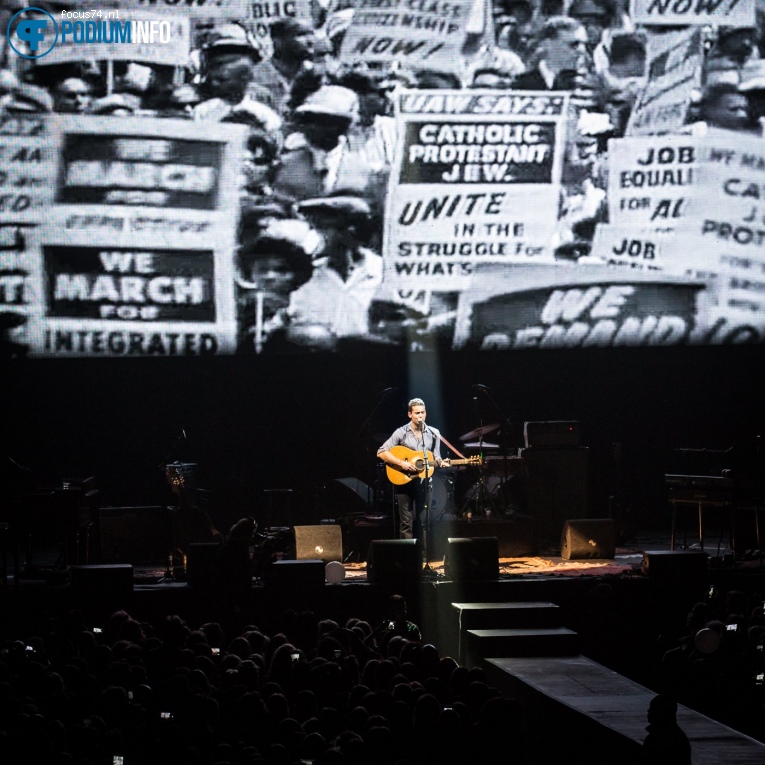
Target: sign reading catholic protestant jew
(476, 179)
(730, 13)
(137, 248)
(421, 33)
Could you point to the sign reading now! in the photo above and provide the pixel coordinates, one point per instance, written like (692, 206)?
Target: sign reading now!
(731, 13)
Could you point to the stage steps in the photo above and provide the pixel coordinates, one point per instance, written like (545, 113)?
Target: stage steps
(522, 628)
(580, 711)
(551, 641)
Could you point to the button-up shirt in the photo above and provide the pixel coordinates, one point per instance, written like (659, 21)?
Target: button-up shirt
(405, 436)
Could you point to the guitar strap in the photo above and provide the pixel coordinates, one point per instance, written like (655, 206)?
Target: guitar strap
(457, 451)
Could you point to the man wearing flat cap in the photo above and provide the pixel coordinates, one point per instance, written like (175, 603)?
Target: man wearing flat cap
(347, 275)
(315, 160)
(230, 59)
(293, 49)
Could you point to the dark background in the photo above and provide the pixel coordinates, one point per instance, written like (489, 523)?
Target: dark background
(299, 421)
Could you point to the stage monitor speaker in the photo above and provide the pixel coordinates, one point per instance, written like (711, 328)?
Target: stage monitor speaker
(678, 565)
(295, 575)
(319, 543)
(201, 563)
(588, 538)
(554, 434)
(393, 561)
(471, 558)
(134, 534)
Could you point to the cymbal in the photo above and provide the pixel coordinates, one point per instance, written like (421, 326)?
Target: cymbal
(479, 445)
(478, 432)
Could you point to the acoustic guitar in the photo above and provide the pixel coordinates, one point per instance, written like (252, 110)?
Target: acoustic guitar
(399, 477)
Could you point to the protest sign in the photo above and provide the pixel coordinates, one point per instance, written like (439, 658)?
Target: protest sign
(730, 13)
(20, 278)
(264, 13)
(579, 307)
(170, 45)
(674, 66)
(649, 179)
(417, 33)
(639, 249)
(27, 166)
(723, 233)
(137, 250)
(27, 176)
(476, 179)
(195, 9)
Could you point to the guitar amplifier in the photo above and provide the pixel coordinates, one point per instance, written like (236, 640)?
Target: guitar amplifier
(551, 434)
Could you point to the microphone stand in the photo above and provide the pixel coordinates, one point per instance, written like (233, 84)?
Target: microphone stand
(427, 570)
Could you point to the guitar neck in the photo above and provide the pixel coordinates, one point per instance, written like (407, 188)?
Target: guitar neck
(468, 461)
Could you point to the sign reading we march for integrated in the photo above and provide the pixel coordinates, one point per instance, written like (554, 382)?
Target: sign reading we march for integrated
(133, 256)
(476, 179)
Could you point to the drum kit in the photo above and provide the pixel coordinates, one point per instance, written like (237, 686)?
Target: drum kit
(489, 493)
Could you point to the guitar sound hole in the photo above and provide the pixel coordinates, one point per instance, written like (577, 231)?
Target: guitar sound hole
(419, 464)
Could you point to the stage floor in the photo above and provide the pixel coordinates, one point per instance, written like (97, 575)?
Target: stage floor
(627, 561)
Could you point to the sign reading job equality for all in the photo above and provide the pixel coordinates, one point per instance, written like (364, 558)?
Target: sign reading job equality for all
(649, 179)
(649, 184)
(476, 179)
(136, 250)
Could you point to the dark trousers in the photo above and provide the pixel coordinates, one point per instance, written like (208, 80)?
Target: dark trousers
(411, 500)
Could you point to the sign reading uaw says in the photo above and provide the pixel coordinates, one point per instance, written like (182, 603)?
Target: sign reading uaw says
(476, 179)
(137, 248)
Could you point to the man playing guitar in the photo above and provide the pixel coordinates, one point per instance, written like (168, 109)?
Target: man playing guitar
(414, 470)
